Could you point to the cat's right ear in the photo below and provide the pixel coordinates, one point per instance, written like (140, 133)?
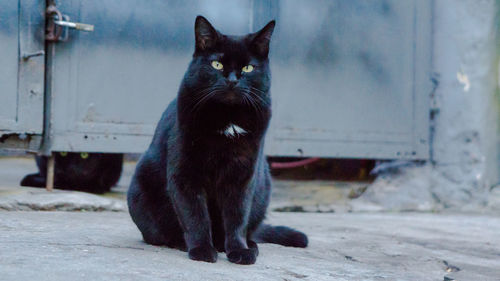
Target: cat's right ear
(262, 38)
(205, 34)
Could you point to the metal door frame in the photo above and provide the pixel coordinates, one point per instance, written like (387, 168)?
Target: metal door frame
(26, 131)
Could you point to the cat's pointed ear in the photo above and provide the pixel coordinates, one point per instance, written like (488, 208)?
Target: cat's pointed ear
(262, 38)
(205, 34)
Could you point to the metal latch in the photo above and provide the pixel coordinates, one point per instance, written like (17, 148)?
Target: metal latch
(56, 22)
(75, 25)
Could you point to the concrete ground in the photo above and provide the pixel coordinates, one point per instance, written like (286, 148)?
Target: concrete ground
(98, 241)
(107, 246)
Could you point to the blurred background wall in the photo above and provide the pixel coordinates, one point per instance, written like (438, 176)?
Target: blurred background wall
(463, 170)
(412, 84)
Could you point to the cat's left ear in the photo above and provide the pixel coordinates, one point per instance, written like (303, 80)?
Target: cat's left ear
(261, 39)
(205, 33)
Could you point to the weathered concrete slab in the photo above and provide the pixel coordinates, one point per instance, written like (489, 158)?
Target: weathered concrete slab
(107, 246)
(17, 198)
(31, 199)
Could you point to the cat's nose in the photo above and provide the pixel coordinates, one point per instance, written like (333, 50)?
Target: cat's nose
(232, 79)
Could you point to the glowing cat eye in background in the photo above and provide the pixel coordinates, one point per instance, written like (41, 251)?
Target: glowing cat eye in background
(84, 155)
(217, 65)
(63, 153)
(247, 68)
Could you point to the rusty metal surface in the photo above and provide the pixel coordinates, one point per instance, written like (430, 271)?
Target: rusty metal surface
(52, 31)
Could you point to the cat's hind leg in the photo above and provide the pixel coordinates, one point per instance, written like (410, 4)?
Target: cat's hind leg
(155, 217)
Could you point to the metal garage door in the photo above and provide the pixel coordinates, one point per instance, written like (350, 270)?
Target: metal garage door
(350, 78)
(22, 65)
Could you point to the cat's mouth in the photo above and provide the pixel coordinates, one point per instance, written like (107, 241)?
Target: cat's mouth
(231, 96)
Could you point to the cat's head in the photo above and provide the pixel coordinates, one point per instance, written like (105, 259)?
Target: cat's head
(73, 164)
(227, 70)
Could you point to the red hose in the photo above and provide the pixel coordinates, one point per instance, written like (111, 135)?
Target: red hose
(293, 164)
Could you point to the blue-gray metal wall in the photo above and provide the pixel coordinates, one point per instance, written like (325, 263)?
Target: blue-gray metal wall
(22, 66)
(350, 78)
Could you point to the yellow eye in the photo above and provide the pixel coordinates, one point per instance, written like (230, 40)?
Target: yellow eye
(248, 68)
(84, 155)
(217, 65)
(63, 153)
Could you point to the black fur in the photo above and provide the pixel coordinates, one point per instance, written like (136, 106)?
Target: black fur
(195, 188)
(94, 172)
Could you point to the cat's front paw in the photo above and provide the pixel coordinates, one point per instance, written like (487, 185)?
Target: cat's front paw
(242, 256)
(253, 246)
(203, 253)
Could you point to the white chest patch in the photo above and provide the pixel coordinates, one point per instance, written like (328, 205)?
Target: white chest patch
(233, 131)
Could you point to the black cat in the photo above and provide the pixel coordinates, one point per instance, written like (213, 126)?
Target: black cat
(203, 184)
(90, 172)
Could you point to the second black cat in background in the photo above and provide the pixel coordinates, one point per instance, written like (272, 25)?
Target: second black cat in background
(89, 172)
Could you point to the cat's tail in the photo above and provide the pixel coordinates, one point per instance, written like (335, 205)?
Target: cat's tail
(282, 235)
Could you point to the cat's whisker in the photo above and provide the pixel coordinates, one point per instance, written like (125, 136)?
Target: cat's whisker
(256, 89)
(260, 99)
(210, 94)
(251, 91)
(200, 101)
(255, 105)
(204, 94)
(201, 95)
(245, 99)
